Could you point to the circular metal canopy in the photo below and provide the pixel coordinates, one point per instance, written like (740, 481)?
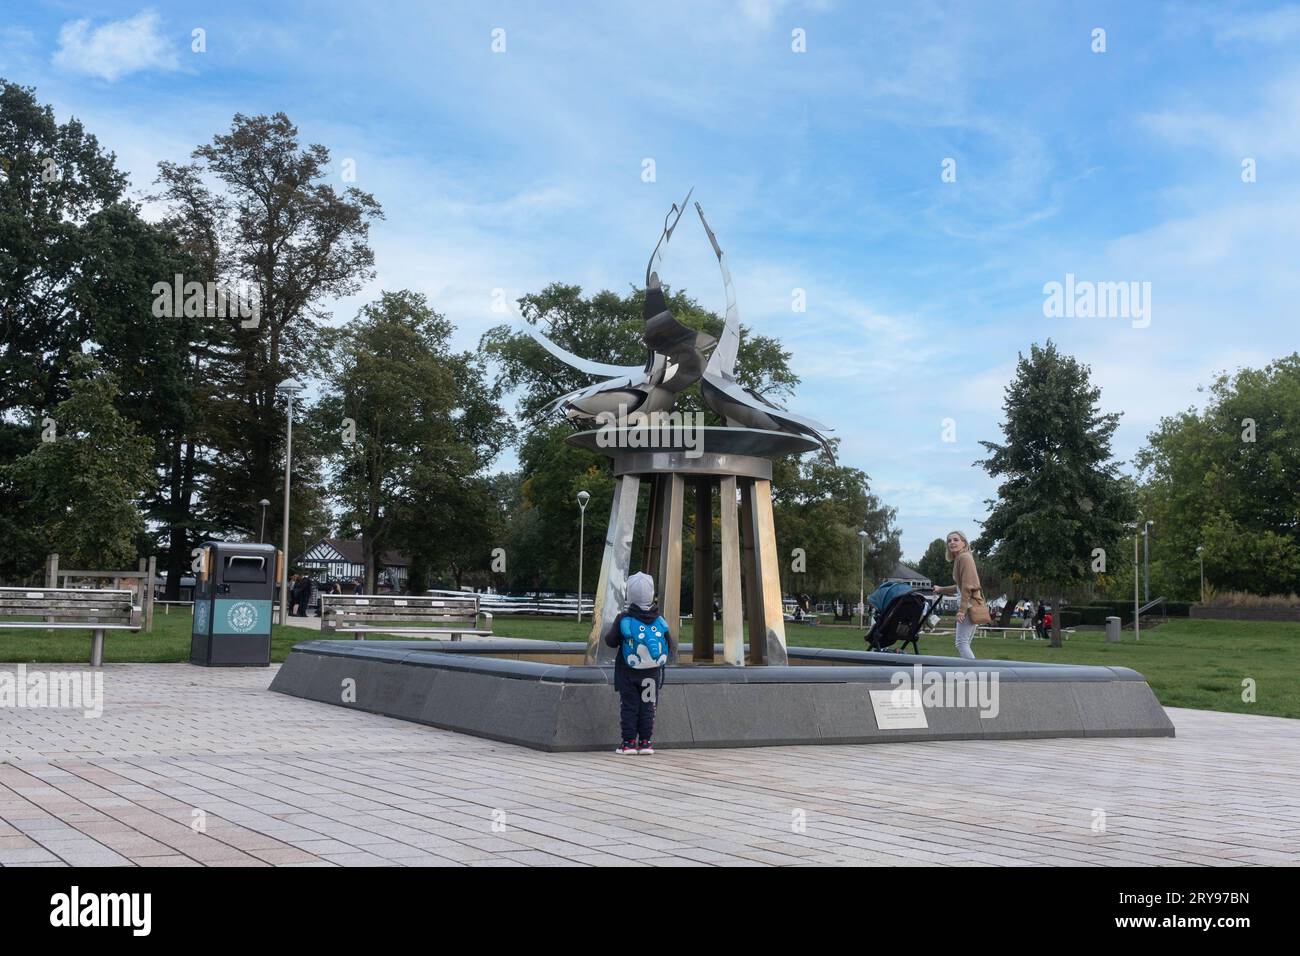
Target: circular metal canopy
(709, 440)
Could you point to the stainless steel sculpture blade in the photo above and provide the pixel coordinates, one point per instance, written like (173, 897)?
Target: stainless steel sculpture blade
(586, 366)
(656, 256)
(683, 346)
(673, 355)
(721, 392)
(723, 360)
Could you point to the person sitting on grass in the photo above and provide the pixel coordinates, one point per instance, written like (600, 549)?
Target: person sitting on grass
(640, 637)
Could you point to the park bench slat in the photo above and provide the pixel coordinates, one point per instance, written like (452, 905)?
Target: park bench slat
(67, 626)
(402, 614)
(371, 629)
(71, 610)
(389, 614)
(64, 598)
(442, 608)
(65, 609)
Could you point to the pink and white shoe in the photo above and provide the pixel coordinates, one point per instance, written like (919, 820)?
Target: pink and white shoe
(627, 748)
(645, 747)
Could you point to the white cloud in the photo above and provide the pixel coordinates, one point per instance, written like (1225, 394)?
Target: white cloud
(1272, 27)
(116, 49)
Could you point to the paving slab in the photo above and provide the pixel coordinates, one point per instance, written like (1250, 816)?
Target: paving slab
(282, 781)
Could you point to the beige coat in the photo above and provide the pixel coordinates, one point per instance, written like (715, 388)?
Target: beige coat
(967, 580)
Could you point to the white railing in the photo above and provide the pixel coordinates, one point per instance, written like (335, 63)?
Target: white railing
(549, 606)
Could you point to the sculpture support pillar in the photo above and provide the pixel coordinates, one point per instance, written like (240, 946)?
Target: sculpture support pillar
(733, 634)
(702, 621)
(749, 571)
(738, 463)
(611, 589)
(766, 642)
(653, 527)
(673, 491)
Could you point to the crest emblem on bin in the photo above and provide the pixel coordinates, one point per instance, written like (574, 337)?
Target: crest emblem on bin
(242, 617)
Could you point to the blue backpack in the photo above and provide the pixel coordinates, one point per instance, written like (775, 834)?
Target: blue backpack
(644, 645)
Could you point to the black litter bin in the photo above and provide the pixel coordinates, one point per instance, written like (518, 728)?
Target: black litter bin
(233, 597)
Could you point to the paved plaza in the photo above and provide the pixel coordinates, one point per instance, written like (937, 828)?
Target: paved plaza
(191, 766)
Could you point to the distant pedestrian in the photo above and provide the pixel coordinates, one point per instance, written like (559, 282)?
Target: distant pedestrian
(971, 609)
(302, 594)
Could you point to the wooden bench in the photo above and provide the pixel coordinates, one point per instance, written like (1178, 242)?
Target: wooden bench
(1025, 633)
(71, 609)
(417, 615)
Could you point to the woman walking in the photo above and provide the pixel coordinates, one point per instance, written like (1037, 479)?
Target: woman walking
(967, 588)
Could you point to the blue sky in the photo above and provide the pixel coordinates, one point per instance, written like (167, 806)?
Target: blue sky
(819, 170)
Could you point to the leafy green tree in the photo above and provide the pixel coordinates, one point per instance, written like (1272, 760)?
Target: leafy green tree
(819, 507)
(1225, 480)
(158, 362)
(276, 228)
(80, 486)
(77, 264)
(1060, 496)
(57, 186)
(544, 552)
(934, 563)
(410, 426)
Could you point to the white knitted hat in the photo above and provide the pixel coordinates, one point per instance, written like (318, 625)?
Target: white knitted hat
(641, 590)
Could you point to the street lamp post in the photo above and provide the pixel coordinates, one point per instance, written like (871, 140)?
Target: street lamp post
(261, 535)
(1201, 557)
(862, 578)
(583, 498)
(1146, 562)
(1137, 618)
(289, 389)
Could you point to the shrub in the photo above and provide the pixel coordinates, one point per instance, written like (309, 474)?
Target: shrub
(1245, 599)
(1094, 614)
(1070, 617)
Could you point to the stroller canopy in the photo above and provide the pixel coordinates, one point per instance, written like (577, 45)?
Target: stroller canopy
(884, 595)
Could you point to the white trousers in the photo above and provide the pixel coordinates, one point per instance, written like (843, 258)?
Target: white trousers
(965, 631)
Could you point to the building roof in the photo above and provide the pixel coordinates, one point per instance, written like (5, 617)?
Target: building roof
(902, 572)
(351, 551)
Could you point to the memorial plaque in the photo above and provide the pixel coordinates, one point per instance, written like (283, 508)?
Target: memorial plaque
(899, 710)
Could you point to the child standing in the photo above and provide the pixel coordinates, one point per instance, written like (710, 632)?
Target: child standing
(640, 637)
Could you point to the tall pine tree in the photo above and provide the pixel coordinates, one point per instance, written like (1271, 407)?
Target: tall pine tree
(1060, 496)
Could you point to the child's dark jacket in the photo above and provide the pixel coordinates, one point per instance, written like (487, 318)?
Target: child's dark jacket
(627, 678)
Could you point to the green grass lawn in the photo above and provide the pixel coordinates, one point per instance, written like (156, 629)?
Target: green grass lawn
(1189, 663)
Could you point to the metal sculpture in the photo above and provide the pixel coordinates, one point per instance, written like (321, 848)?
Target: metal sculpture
(736, 403)
(675, 360)
(735, 467)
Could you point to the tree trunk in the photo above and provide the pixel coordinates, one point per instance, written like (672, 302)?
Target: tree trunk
(1056, 622)
(368, 557)
(1004, 617)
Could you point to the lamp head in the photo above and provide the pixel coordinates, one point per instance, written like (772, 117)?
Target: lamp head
(583, 498)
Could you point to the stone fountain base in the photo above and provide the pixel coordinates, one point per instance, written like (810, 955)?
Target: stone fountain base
(540, 694)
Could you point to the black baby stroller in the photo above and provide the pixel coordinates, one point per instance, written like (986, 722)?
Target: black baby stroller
(900, 614)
